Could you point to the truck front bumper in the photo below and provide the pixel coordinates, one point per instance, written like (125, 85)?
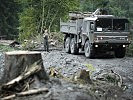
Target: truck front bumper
(110, 45)
(111, 42)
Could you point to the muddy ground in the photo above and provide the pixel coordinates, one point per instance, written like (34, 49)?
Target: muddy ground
(67, 65)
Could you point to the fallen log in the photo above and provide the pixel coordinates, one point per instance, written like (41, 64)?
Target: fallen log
(9, 97)
(26, 93)
(31, 92)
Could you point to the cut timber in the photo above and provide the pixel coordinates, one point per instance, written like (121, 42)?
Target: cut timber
(9, 97)
(18, 62)
(31, 92)
(26, 93)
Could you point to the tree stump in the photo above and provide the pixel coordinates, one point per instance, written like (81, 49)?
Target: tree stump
(17, 62)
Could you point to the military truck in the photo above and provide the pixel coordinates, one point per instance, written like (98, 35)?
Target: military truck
(95, 33)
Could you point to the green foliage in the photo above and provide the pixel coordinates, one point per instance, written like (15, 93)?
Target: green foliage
(4, 48)
(28, 17)
(130, 50)
(28, 45)
(27, 24)
(37, 14)
(90, 68)
(57, 36)
(120, 8)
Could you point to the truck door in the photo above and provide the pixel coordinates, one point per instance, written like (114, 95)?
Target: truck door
(91, 31)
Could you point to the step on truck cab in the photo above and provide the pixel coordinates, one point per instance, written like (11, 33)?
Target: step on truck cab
(95, 33)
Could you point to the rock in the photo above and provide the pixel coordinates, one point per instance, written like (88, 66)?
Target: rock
(81, 86)
(68, 61)
(83, 75)
(70, 88)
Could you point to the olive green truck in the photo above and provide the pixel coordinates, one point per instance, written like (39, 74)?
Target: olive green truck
(95, 33)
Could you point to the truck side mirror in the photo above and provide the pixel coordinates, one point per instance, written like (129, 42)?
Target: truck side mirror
(92, 26)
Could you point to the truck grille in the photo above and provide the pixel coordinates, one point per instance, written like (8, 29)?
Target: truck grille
(112, 37)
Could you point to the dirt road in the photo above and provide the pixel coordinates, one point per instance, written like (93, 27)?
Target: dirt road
(68, 64)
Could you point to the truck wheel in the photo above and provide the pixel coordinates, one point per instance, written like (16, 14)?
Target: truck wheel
(67, 44)
(120, 52)
(73, 46)
(89, 52)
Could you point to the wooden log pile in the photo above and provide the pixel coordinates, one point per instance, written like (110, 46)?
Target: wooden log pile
(22, 69)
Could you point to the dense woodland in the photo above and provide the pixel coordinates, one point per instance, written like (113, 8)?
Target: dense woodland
(24, 19)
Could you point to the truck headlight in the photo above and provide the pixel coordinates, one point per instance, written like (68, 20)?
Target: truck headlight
(124, 46)
(96, 46)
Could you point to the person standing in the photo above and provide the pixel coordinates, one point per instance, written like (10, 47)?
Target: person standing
(45, 36)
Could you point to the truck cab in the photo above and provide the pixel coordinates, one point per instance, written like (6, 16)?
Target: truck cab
(106, 33)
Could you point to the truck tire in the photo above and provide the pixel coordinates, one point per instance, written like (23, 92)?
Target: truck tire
(73, 46)
(67, 44)
(120, 52)
(89, 50)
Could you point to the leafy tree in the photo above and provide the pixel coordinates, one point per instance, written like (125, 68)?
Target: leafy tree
(38, 14)
(8, 18)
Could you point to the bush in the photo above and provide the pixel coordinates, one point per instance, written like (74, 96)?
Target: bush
(130, 48)
(57, 36)
(28, 45)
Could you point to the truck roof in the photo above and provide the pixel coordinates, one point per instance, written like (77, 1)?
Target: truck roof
(95, 17)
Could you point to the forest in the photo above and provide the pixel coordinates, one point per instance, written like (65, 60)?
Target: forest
(92, 60)
(24, 19)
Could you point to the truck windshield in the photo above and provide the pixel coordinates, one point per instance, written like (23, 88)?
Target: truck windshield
(103, 24)
(109, 24)
(120, 25)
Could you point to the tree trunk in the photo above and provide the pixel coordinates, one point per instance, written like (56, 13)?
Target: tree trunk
(18, 62)
(43, 11)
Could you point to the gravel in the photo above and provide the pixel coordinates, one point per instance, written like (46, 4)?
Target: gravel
(68, 65)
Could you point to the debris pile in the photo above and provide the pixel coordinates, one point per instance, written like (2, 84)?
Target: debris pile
(21, 85)
(22, 76)
(106, 85)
